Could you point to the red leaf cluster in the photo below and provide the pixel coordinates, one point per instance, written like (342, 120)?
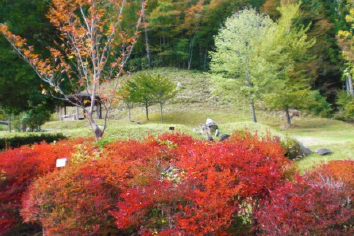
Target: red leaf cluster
(339, 170)
(19, 167)
(174, 185)
(307, 207)
(170, 185)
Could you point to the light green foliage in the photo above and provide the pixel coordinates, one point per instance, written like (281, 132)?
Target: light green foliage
(163, 90)
(240, 58)
(237, 56)
(292, 87)
(257, 59)
(32, 119)
(320, 107)
(140, 90)
(148, 89)
(345, 102)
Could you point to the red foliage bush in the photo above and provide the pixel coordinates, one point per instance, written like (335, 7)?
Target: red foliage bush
(74, 201)
(78, 198)
(18, 168)
(208, 181)
(307, 207)
(170, 185)
(339, 170)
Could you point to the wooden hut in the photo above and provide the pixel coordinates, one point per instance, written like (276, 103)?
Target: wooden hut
(82, 99)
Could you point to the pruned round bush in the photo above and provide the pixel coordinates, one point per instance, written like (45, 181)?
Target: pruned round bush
(18, 168)
(170, 185)
(307, 207)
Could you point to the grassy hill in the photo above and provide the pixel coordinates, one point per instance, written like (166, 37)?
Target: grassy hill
(194, 104)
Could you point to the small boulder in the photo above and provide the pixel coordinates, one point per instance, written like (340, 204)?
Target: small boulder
(323, 151)
(179, 86)
(209, 138)
(223, 137)
(210, 122)
(305, 151)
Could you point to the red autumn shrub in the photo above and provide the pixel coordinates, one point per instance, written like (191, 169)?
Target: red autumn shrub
(74, 201)
(201, 190)
(339, 170)
(78, 199)
(170, 185)
(306, 207)
(18, 168)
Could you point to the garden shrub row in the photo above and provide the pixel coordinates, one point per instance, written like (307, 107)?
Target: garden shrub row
(173, 185)
(18, 168)
(17, 141)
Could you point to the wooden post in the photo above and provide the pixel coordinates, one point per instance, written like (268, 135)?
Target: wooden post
(77, 113)
(100, 111)
(60, 113)
(65, 110)
(9, 124)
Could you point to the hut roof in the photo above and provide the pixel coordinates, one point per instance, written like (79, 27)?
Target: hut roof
(81, 98)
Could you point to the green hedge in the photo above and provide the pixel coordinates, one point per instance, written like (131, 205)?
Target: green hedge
(17, 141)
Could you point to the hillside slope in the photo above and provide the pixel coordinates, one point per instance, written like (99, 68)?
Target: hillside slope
(194, 104)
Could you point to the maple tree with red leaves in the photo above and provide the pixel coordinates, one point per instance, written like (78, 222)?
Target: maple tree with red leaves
(94, 49)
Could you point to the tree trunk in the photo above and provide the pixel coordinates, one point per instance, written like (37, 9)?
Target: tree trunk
(253, 112)
(249, 84)
(205, 58)
(129, 106)
(287, 114)
(161, 113)
(349, 83)
(95, 128)
(191, 46)
(147, 111)
(147, 47)
(129, 115)
(9, 124)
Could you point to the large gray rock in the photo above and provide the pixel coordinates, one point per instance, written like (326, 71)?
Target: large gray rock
(305, 151)
(223, 137)
(323, 151)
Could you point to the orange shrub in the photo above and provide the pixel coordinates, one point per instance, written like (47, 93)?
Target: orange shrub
(19, 167)
(339, 170)
(170, 185)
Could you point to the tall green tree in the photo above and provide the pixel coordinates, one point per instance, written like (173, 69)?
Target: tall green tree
(163, 90)
(240, 57)
(292, 86)
(140, 89)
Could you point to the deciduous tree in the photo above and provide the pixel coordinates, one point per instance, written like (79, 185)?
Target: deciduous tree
(94, 49)
(163, 90)
(292, 84)
(240, 58)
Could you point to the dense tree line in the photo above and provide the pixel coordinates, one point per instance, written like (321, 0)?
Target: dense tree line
(180, 34)
(20, 88)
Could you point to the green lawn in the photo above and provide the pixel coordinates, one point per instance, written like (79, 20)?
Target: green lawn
(194, 104)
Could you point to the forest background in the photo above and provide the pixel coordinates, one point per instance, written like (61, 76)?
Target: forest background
(175, 34)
